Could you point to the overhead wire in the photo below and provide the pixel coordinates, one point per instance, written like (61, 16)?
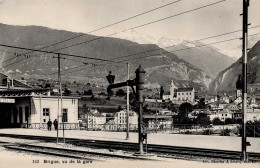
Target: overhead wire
(51, 52)
(192, 10)
(203, 45)
(219, 35)
(112, 24)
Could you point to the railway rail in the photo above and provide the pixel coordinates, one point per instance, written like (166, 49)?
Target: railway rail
(160, 150)
(69, 153)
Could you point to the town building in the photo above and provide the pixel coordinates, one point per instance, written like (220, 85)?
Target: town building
(222, 115)
(157, 122)
(180, 94)
(24, 106)
(94, 120)
(121, 119)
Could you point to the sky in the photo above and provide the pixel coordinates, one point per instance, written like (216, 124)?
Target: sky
(87, 15)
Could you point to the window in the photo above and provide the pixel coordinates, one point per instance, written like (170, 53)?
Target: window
(64, 115)
(46, 113)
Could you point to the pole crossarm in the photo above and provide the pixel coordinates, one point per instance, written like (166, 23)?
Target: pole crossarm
(122, 84)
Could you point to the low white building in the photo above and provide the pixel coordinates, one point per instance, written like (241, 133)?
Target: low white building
(153, 122)
(34, 111)
(222, 115)
(95, 120)
(253, 116)
(24, 106)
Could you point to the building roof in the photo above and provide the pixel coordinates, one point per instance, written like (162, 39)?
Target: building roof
(185, 89)
(63, 97)
(158, 116)
(20, 92)
(16, 83)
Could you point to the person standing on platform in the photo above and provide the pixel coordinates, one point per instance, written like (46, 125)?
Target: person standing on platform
(55, 123)
(49, 125)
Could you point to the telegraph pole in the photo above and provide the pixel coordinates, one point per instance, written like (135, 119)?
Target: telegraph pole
(244, 74)
(59, 80)
(60, 88)
(156, 120)
(60, 97)
(40, 98)
(58, 111)
(127, 105)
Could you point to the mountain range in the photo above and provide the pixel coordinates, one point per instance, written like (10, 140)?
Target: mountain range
(205, 57)
(160, 65)
(226, 80)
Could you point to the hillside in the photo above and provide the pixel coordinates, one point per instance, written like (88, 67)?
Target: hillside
(225, 81)
(160, 68)
(207, 58)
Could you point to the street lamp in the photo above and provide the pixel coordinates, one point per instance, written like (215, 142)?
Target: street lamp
(139, 83)
(110, 78)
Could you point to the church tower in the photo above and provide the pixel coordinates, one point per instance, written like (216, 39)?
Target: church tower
(172, 89)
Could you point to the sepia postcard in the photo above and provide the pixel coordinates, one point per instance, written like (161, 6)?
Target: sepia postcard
(129, 83)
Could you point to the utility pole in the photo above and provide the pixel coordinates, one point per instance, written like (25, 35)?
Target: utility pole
(156, 125)
(59, 80)
(244, 74)
(40, 98)
(60, 96)
(58, 111)
(127, 105)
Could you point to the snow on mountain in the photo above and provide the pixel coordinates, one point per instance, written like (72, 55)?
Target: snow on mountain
(196, 53)
(137, 37)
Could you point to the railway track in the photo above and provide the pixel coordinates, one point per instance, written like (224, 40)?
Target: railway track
(69, 153)
(160, 150)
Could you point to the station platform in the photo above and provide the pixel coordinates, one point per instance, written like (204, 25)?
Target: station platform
(197, 141)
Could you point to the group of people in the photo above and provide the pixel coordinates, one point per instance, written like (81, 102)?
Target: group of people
(55, 124)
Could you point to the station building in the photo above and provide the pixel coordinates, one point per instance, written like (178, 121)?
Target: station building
(24, 106)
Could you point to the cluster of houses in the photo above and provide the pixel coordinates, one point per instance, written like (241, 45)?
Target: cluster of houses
(222, 107)
(231, 108)
(24, 106)
(94, 120)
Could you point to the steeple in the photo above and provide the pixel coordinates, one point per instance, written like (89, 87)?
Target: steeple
(172, 88)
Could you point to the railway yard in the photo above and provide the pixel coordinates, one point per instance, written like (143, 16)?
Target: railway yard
(40, 149)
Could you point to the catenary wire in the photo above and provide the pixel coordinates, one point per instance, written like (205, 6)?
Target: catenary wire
(112, 24)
